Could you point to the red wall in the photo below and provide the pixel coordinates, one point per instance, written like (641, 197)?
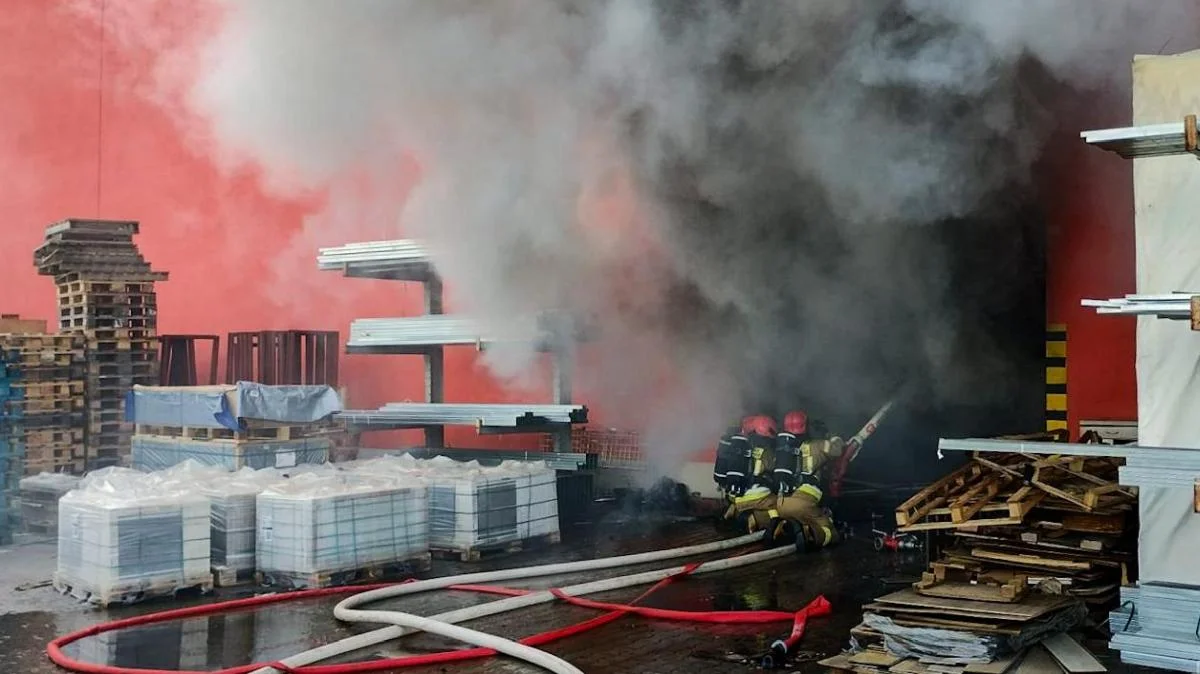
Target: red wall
(239, 258)
(1091, 255)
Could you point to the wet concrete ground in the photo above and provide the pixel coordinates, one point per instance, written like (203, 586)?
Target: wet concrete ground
(848, 576)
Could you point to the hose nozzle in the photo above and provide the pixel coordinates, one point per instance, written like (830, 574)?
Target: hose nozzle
(777, 657)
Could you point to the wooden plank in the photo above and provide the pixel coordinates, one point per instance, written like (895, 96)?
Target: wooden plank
(873, 658)
(957, 616)
(935, 495)
(976, 498)
(1031, 560)
(1038, 661)
(13, 324)
(842, 663)
(1004, 594)
(1091, 524)
(1072, 657)
(909, 666)
(1034, 606)
(955, 625)
(998, 666)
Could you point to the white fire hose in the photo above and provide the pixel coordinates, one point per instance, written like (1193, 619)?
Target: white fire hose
(403, 624)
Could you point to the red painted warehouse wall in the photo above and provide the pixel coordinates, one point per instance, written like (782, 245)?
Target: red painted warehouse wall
(239, 259)
(1091, 255)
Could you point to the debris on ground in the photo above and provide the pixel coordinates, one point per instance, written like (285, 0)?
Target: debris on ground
(1034, 547)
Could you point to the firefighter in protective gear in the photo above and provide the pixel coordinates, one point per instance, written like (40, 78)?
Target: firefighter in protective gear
(760, 433)
(801, 456)
(755, 467)
(729, 470)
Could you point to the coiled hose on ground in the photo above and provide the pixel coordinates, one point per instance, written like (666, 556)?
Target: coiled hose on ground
(402, 624)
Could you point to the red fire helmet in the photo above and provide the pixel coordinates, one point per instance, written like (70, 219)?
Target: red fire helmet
(759, 424)
(796, 422)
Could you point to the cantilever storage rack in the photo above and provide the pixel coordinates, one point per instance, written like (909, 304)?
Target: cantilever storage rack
(428, 336)
(1155, 624)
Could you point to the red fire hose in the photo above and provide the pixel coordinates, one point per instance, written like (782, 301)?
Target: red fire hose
(781, 648)
(56, 654)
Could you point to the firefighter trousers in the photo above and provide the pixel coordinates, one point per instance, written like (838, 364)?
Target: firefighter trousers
(801, 508)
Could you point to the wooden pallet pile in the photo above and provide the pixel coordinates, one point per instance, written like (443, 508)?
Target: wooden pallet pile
(1033, 545)
(41, 411)
(1058, 523)
(106, 294)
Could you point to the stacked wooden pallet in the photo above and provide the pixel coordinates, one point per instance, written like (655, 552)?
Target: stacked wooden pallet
(105, 293)
(1059, 523)
(41, 411)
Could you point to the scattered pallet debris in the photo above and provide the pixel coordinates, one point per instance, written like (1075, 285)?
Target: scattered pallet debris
(1031, 546)
(1065, 527)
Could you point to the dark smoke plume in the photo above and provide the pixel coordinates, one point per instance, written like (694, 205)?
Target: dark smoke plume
(763, 202)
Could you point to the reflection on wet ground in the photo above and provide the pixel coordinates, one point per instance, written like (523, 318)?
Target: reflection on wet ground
(847, 576)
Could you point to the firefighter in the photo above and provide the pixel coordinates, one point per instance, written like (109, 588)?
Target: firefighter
(760, 432)
(801, 455)
(730, 468)
(751, 477)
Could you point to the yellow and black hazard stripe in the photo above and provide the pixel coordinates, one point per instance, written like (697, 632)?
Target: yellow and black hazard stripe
(1056, 377)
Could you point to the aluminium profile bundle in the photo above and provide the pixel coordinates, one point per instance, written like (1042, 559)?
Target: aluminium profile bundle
(430, 330)
(1177, 306)
(418, 415)
(1152, 140)
(1155, 626)
(398, 259)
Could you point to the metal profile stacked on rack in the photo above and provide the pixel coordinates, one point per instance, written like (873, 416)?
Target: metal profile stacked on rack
(416, 334)
(428, 335)
(400, 260)
(487, 418)
(1153, 140)
(1167, 305)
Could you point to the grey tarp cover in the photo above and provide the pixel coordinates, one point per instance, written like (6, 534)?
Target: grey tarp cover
(223, 406)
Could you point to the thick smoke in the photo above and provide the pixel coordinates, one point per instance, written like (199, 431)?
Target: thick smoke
(760, 203)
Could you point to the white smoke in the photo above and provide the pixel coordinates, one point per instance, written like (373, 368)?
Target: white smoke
(744, 194)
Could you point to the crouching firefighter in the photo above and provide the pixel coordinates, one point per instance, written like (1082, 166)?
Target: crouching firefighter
(793, 510)
(745, 456)
(732, 464)
(793, 507)
(806, 460)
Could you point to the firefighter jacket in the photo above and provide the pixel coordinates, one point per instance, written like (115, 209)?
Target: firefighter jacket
(800, 462)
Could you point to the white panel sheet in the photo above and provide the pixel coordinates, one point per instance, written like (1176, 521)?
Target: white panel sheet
(1167, 207)
(1169, 537)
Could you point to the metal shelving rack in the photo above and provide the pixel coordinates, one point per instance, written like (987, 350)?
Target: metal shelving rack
(1142, 142)
(429, 335)
(1151, 633)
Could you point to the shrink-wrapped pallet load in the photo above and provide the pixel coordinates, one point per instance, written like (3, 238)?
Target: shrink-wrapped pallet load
(233, 502)
(474, 507)
(124, 536)
(39, 500)
(317, 529)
